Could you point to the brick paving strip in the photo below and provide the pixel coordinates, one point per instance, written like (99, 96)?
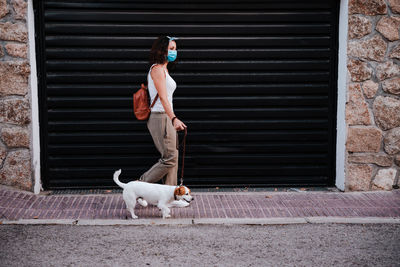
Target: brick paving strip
(20, 205)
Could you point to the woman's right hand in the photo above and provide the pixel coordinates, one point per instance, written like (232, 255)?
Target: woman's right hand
(179, 125)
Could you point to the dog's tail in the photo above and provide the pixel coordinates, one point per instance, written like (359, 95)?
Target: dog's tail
(116, 175)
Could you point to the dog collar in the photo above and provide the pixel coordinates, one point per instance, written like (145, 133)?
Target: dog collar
(174, 193)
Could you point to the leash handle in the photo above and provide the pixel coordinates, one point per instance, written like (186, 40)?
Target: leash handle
(183, 154)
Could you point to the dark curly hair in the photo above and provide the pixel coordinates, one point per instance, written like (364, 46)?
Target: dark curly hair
(159, 52)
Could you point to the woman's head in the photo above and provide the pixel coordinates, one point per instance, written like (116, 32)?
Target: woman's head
(159, 50)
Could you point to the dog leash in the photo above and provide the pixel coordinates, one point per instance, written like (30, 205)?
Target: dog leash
(183, 154)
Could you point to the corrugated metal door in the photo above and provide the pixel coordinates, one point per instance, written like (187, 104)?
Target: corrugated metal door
(256, 87)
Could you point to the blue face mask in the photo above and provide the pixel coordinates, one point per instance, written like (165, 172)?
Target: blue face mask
(172, 55)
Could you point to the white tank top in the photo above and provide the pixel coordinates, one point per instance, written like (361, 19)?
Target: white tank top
(170, 85)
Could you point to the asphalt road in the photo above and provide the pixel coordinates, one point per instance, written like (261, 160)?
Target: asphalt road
(201, 245)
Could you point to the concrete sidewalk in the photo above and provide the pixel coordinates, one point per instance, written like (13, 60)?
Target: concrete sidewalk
(208, 207)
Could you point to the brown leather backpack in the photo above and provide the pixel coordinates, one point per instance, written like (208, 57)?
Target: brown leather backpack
(141, 100)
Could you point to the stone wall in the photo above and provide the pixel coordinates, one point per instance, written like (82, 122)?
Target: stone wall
(373, 95)
(15, 111)
(372, 106)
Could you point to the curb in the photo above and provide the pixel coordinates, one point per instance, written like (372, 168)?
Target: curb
(355, 220)
(207, 221)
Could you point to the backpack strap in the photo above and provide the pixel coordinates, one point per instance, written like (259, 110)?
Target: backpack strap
(154, 101)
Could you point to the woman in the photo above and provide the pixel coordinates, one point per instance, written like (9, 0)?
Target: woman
(162, 123)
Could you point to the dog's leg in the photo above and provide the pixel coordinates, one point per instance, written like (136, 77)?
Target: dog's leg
(164, 210)
(132, 211)
(130, 205)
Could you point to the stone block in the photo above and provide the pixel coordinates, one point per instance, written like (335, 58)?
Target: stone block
(367, 7)
(370, 49)
(13, 32)
(380, 159)
(3, 153)
(3, 8)
(395, 6)
(392, 86)
(356, 108)
(397, 160)
(15, 137)
(391, 141)
(20, 9)
(17, 50)
(358, 177)
(384, 179)
(387, 112)
(389, 27)
(364, 139)
(387, 70)
(14, 78)
(359, 70)
(15, 111)
(370, 88)
(16, 170)
(395, 52)
(359, 26)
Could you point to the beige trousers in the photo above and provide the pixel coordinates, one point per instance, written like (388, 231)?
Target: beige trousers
(165, 139)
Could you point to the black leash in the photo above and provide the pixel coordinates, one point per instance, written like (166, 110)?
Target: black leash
(183, 154)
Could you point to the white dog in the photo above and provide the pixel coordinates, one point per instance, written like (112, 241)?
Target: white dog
(163, 196)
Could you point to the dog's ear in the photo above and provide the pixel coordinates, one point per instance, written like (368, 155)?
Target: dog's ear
(179, 191)
(176, 191)
(183, 191)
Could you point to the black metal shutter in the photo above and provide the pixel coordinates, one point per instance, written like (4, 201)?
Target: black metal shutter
(256, 85)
